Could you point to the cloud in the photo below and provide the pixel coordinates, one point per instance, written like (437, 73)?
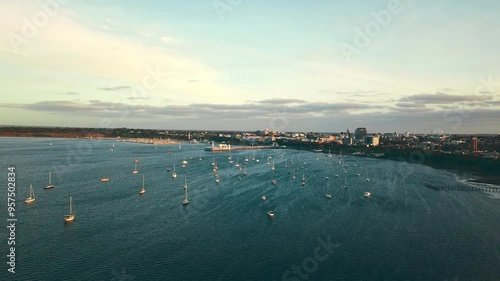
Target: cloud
(116, 88)
(278, 101)
(407, 104)
(442, 98)
(169, 40)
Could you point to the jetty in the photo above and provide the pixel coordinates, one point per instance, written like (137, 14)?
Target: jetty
(227, 147)
(462, 188)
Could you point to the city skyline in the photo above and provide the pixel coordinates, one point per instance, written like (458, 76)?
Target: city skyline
(247, 65)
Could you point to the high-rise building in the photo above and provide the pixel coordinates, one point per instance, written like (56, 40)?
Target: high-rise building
(473, 145)
(360, 133)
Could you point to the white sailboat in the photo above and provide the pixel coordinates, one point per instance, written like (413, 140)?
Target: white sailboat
(367, 194)
(213, 161)
(30, 199)
(328, 193)
(367, 178)
(217, 179)
(135, 171)
(174, 175)
(303, 180)
(71, 216)
(200, 157)
(50, 185)
(270, 214)
(185, 182)
(143, 189)
(185, 201)
(273, 167)
(237, 162)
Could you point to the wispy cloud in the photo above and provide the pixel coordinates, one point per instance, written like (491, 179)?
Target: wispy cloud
(116, 88)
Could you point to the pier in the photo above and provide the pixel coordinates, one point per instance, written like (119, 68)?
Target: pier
(462, 188)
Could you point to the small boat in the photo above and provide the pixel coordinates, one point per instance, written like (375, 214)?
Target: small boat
(200, 157)
(367, 194)
(71, 216)
(142, 190)
(213, 161)
(318, 150)
(185, 182)
(30, 199)
(50, 143)
(135, 171)
(50, 185)
(217, 179)
(174, 175)
(273, 182)
(237, 163)
(105, 179)
(273, 167)
(185, 201)
(303, 180)
(270, 214)
(169, 169)
(263, 198)
(136, 161)
(328, 193)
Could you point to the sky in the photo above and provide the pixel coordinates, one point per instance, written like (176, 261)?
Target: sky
(303, 65)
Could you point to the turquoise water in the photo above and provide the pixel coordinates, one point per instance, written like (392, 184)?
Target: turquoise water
(405, 231)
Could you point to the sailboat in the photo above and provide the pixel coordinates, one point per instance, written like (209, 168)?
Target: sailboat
(245, 170)
(367, 194)
(213, 161)
(303, 180)
(367, 178)
(270, 214)
(273, 182)
(200, 157)
(135, 171)
(273, 167)
(185, 182)
(185, 201)
(328, 193)
(217, 179)
(142, 190)
(71, 216)
(174, 175)
(30, 199)
(50, 185)
(237, 162)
